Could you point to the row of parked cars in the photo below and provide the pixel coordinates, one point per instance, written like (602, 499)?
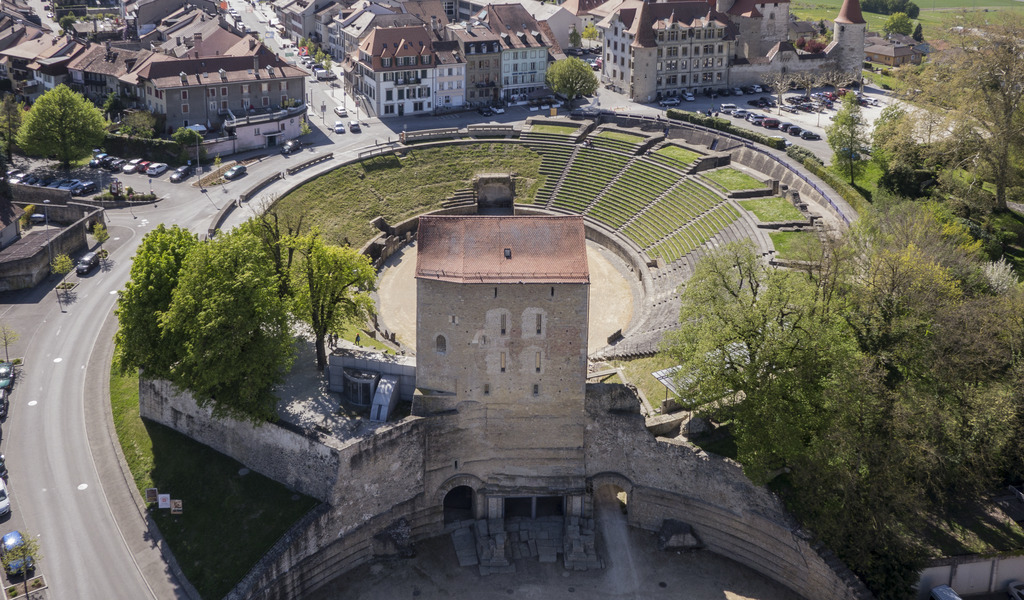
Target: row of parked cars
(768, 122)
(77, 187)
(12, 541)
(120, 165)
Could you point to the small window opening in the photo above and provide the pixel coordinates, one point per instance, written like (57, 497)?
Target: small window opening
(504, 323)
(508, 253)
(487, 389)
(537, 366)
(539, 323)
(552, 291)
(502, 362)
(442, 344)
(495, 292)
(536, 389)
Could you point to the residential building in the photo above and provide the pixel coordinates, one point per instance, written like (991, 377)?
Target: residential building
(893, 55)
(526, 46)
(581, 10)
(297, 17)
(40, 64)
(481, 48)
(97, 72)
(450, 82)
(394, 71)
(349, 32)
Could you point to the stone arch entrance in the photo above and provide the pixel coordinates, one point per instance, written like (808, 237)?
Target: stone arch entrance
(458, 504)
(611, 491)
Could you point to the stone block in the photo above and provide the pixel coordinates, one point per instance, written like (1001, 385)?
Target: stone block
(676, 535)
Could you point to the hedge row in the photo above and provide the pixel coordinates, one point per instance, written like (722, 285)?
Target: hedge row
(847, 191)
(148, 148)
(725, 125)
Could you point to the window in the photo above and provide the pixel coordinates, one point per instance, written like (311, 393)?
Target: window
(385, 62)
(487, 389)
(504, 323)
(211, 91)
(245, 88)
(184, 108)
(502, 362)
(264, 87)
(224, 91)
(552, 291)
(537, 363)
(540, 322)
(266, 101)
(224, 104)
(213, 106)
(184, 94)
(495, 292)
(536, 389)
(441, 344)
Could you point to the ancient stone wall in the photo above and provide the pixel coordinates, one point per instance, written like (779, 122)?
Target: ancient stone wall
(669, 479)
(293, 457)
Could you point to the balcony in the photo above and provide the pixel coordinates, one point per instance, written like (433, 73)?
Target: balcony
(261, 115)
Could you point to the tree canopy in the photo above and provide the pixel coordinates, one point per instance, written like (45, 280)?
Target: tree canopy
(232, 327)
(879, 389)
(571, 77)
(332, 288)
(11, 112)
(141, 340)
(898, 22)
(63, 124)
(847, 136)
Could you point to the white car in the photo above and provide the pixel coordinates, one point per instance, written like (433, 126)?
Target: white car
(132, 165)
(339, 127)
(498, 110)
(340, 111)
(689, 97)
(1016, 590)
(156, 169)
(670, 101)
(5, 499)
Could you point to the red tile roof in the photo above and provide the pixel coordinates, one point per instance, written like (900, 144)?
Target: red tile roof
(850, 13)
(472, 249)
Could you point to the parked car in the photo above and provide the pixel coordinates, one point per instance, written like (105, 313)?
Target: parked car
(340, 111)
(144, 166)
(5, 405)
(689, 97)
(68, 184)
(785, 126)
(353, 126)
(87, 263)
(339, 127)
(757, 89)
(670, 101)
(5, 499)
(727, 108)
(498, 110)
(740, 114)
(810, 135)
(115, 165)
(97, 161)
(181, 174)
(770, 123)
(9, 543)
(6, 375)
(291, 146)
(795, 130)
(155, 169)
(131, 166)
(235, 172)
(1015, 590)
(485, 111)
(737, 91)
(84, 188)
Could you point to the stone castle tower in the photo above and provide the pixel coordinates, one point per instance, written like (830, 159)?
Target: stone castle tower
(501, 350)
(848, 32)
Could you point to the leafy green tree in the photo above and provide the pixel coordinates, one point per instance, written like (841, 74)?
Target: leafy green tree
(898, 23)
(918, 34)
(67, 23)
(156, 268)
(21, 554)
(139, 123)
(846, 136)
(278, 235)
(188, 140)
(304, 128)
(8, 337)
(332, 288)
(232, 326)
(113, 106)
(61, 264)
(61, 123)
(571, 77)
(11, 112)
(100, 232)
(590, 32)
(575, 39)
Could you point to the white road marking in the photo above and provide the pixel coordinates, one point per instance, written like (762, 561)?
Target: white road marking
(32, 403)
(58, 359)
(83, 486)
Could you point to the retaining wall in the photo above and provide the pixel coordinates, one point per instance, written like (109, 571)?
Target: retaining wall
(971, 574)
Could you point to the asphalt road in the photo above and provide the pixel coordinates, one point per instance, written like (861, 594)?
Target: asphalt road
(65, 481)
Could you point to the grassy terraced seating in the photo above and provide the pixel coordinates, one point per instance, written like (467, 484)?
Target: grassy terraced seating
(688, 239)
(588, 176)
(614, 140)
(680, 205)
(675, 156)
(553, 129)
(639, 185)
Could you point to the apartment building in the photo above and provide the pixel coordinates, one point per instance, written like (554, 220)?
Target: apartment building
(395, 70)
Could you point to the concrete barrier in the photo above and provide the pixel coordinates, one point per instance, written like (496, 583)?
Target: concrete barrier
(309, 163)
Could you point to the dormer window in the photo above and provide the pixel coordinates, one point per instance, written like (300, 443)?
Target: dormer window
(385, 62)
(223, 75)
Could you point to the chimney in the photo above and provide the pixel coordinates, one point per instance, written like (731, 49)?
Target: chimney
(433, 23)
(252, 44)
(255, 63)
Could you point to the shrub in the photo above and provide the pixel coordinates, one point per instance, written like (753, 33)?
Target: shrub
(802, 154)
(841, 186)
(26, 219)
(726, 126)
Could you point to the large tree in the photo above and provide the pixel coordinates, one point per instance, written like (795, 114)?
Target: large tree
(571, 77)
(980, 86)
(847, 135)
(10, 121)
(332, 288)
(141, 341)
(232, 326)
(63, 124)
(898, 23)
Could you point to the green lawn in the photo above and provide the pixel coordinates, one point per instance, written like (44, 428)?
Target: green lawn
(733, 180)
(229, 521)
(638, 372)
(555, 129)
(882, 81)
(622, 137)
(769, 210)
(796, 245)
(678, 153)
(342, 202)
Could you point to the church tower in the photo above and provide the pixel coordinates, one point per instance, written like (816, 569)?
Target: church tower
(847, 45)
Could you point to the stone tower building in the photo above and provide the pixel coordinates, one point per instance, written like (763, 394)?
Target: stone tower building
(501, 347)
(848, 37)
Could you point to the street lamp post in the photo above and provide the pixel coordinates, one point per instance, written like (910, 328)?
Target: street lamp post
(46, 213)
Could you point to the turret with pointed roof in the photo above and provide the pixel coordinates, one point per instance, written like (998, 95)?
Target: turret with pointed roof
(850, 13)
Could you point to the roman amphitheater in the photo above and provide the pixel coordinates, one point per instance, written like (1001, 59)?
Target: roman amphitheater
(485, 447)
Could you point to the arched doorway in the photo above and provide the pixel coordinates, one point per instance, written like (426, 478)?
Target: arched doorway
(458, 504)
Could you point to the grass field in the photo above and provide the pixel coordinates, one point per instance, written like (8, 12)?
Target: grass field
(768, 210)
(733, 180)
(555, 129)
(677, 153)
(622, 137)
(229, 521)
(638, 372)
(796, 245)
(342, 202)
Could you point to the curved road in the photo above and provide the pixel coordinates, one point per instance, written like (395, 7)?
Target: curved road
(66, 482)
